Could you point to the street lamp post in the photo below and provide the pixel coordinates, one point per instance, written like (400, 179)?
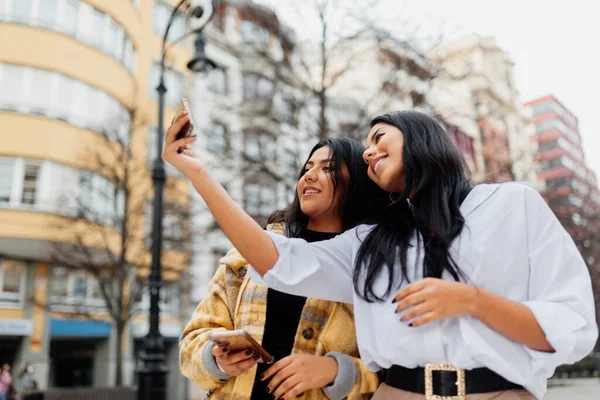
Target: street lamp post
(152, 376)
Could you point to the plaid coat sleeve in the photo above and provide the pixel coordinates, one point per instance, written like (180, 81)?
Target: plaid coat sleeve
(366, 382)
(214, 313)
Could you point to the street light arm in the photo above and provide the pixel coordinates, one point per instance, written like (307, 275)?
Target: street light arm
(165, 36)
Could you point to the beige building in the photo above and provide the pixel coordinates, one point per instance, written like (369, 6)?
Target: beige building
(72, 73)
(475, 90)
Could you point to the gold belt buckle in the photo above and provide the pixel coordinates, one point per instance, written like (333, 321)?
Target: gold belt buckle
(460, 382)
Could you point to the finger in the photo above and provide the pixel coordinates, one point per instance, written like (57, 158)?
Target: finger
(244, 365)
(275, 368)
(286, 386)
(175, 128)
(280, 377)
(417, 311)
(425, 319)
(411, 300)
(410, 289)
(295, 392)
(235, 357)
(218, 351)
(180, 143)
(178, 116)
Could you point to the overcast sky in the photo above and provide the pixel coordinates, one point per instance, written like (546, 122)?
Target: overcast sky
(555, 45)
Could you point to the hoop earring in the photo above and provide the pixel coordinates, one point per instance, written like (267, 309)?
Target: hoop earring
(392, 198)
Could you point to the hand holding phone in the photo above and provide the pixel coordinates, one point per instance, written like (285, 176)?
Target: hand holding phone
(188, 128)
(241, 340)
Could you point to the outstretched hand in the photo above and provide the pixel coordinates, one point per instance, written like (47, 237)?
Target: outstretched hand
(187, 161)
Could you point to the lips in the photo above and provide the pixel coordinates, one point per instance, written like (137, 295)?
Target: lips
(376, 164)
(310, 190)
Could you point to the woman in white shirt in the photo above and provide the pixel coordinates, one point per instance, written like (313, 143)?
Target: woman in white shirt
(463, 292)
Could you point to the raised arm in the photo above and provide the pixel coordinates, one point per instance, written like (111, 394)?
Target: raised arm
(245, 234)
(321, 270)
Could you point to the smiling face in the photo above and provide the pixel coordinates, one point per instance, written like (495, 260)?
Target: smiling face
(316, 193)
(384, 157)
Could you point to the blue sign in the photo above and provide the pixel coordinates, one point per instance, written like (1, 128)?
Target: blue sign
(79, 328)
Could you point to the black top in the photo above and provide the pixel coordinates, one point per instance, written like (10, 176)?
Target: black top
(283, 316)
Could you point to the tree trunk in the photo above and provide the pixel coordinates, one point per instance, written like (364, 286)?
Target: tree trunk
(119, 353)
(323, 128)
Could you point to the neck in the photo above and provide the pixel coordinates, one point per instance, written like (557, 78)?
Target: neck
(325, 225)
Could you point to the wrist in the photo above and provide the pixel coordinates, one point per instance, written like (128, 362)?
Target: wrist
(333, 368)
(474, 303)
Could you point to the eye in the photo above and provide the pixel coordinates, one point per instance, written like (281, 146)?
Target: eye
(377, 137)
(329, 168)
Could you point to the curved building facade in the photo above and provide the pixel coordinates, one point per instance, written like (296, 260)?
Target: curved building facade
(77, 75)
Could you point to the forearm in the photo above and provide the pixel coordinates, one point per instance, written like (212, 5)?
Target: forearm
(511, 319)
(245, 234)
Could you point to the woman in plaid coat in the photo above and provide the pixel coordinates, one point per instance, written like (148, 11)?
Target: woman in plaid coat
(314, 341)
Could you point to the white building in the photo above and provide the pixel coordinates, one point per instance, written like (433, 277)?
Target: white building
(475, 90)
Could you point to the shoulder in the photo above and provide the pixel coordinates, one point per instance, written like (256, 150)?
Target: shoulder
(507, 193)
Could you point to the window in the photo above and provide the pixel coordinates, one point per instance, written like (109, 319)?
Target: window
(254, 34)
(160, 17)
(110, 40)
(288, 110)
(30, 181)
(54, 95)
(6, 177)
(74, 289)
(97, 28)
(260, 146)
(22, 10)
(47, 12)
(218, 137)
(174, 81)
(70, 17)
(217, 81)
(256, 86)
(12, 280)
(11, 82)
(260, 199)
(59, 285)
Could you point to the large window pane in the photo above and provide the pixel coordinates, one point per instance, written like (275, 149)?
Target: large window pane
(41, 83)
(11, 278)
(70, 22)
(85, 20)
(48, 10)
(22, 10)
(6, 178)
(11, 86)
(30, 180)
(60, 282)
(110, 42)
(97, 28)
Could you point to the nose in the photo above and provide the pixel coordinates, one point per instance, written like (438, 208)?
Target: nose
(368, 155)
(310, 175)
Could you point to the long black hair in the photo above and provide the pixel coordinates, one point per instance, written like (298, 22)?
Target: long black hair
(361, 200)
(436, 178)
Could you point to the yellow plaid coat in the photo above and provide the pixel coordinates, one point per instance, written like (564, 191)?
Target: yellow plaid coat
(235, 302)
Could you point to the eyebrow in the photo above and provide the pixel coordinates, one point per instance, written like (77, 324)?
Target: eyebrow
(325, 161)
(374, 133)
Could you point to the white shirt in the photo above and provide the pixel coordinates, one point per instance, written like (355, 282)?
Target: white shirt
(511, 245)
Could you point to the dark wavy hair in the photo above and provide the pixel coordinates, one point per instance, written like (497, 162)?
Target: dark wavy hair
(361, 200)
(437, 180)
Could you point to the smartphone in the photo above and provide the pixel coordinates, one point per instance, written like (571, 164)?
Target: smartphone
(241, 340)
(188, 128)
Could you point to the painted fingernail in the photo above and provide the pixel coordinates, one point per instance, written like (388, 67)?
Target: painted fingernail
(248, 352)
(261, 376)
(225, 350)
(410, 324)
(268, 390)
(256, 357)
